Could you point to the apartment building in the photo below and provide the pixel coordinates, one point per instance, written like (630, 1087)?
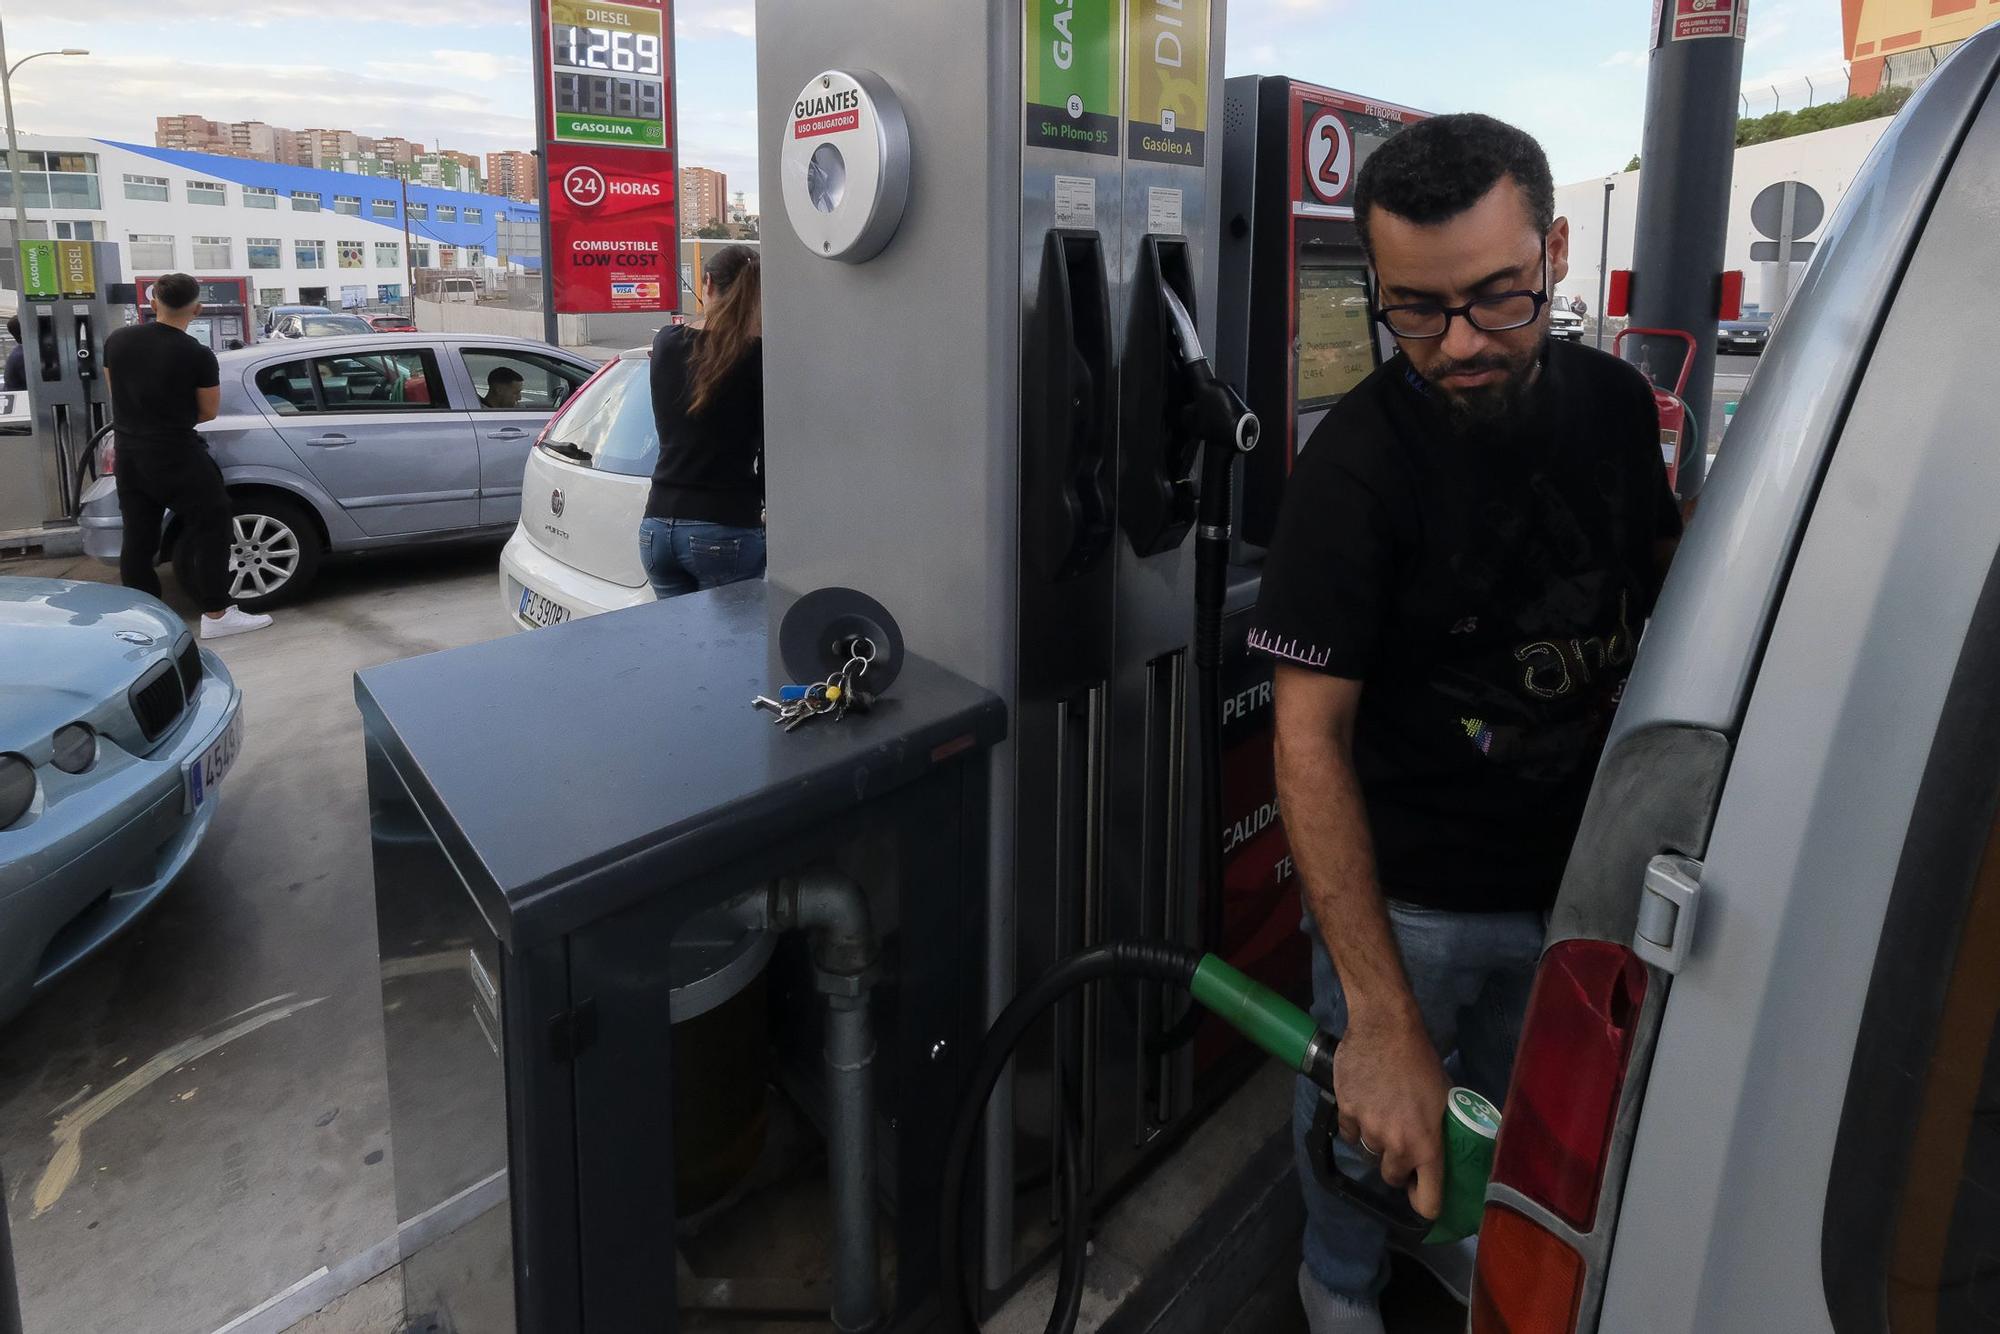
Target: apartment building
(299, 233)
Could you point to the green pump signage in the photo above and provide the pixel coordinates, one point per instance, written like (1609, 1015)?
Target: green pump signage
(38, 269)
(1071, 66)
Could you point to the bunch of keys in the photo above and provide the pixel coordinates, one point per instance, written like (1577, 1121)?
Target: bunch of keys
(798, 705)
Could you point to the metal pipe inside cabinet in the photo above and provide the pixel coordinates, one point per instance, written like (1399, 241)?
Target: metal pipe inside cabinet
(850, 1151)
(1688, 153)
(844, 953)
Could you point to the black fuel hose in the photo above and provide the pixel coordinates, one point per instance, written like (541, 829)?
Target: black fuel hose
(1152, 961)
(1211, 588)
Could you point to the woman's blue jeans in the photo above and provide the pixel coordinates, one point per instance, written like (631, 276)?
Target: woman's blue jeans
(682, 555)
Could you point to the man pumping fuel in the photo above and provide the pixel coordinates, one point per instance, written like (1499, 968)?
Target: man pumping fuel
(1470, 544)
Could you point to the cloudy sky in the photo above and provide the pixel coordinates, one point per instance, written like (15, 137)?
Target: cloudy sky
(456, 72)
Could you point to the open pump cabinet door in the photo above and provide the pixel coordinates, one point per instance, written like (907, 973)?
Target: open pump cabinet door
(1682, 1073)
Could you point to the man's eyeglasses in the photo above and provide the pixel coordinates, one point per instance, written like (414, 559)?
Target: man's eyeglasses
(1489, 314)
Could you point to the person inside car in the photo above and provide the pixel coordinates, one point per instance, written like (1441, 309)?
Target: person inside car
(503, 388)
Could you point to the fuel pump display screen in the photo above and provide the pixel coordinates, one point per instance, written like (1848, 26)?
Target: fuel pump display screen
(607, 66)
(1336, 341)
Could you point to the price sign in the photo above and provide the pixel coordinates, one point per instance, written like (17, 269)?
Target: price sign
(607, 146)
(609, 68)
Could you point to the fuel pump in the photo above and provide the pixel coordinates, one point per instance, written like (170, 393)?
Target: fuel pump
(66, 314)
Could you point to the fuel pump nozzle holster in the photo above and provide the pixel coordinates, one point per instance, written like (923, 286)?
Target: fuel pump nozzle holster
(1214, 414)
(1174, 405)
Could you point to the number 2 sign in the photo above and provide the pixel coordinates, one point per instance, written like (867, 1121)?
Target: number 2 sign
(1329, 157)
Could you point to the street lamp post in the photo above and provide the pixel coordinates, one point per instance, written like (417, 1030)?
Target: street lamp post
(13, 135)
(1604, 259)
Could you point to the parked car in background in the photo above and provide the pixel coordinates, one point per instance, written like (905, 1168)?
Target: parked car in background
(358, 444)
(329, 325)
(1757, 1082)
(1745, 337)
(276, 313)
(117, 732)
(391, 323)
(575, 551)
(1565, 322)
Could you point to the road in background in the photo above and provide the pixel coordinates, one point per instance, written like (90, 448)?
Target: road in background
(1731, 375)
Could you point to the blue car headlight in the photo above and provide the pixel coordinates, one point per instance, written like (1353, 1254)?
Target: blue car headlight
(75, 748)
(17, 789)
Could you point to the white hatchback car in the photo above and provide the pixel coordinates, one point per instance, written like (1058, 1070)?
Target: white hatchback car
(575, 551)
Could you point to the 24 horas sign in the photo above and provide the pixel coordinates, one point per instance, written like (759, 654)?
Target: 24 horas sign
(607, 141)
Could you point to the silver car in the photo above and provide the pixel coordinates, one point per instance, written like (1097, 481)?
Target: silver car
(357, 444)
(1759, 1083)
(305, 324)
(116, 729)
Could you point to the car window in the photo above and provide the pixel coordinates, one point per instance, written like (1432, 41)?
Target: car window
(1912, 1218)
(610, 425)
(402, 380)
(508, 380)
(321, 326)
(287, 388)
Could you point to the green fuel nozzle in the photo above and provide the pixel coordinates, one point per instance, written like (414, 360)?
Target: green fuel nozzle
(1264, 1017)
(1288, 1033)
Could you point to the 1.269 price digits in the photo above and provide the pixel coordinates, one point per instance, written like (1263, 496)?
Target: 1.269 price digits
(603, 48)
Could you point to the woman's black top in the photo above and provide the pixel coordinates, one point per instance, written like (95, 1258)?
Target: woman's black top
(711, 466)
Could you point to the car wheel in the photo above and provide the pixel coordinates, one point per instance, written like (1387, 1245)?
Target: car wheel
(274, 552)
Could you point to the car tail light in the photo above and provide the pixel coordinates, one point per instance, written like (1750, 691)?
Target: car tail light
(1568, 1074)
(1528, 1282)
(1562, 1110)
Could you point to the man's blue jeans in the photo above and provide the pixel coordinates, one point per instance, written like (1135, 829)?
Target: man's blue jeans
(1470, 973)
(682, 555)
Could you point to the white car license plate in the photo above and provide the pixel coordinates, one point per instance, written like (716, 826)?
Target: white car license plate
(538, 610)
(206, 770)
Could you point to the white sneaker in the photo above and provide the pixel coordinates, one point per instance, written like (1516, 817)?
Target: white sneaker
(1330, 1314)
(234, 621)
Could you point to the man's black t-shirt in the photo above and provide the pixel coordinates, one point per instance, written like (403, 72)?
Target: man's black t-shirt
(1488, 589)
(155, 370)
(711, 465)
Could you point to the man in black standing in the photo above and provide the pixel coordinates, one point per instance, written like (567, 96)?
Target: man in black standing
(164, 383)
(1470, 545)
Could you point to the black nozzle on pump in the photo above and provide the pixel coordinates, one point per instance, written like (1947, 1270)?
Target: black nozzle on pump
(1217, 419)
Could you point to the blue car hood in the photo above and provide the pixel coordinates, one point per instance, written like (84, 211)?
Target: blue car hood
(61, 651)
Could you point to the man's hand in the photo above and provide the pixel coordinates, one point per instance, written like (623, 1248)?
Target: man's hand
(1387, 1077)
(1391, 1089)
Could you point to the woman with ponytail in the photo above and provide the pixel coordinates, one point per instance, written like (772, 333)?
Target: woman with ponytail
(704, 524)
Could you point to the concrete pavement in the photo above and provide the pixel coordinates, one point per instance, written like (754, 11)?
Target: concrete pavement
(238, 1028)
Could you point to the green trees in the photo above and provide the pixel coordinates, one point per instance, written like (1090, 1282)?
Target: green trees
(1824, 116)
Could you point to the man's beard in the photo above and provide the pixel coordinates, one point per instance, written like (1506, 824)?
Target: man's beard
(1485, 407)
